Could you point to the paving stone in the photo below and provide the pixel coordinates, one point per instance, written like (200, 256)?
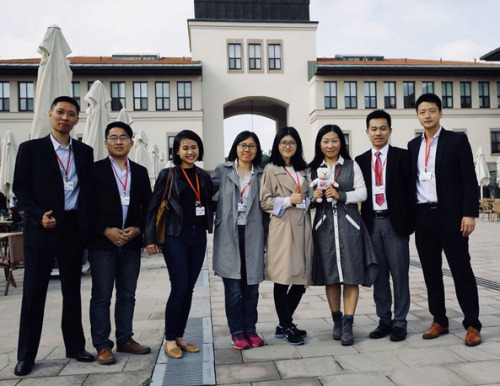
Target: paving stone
(12, 382)
(328, 348)
(478, 373)
(430, 356)
(483, 352)
(291, 382)
(135, 378)
(247, 372)
(49, 368)
(227, 356)
(270, 353)
(75, 367)
(364, 379)
(371, 361)
(72, 380)
(308, 367)
(428, 376)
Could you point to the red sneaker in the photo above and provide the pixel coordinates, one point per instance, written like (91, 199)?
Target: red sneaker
(240, 342)
(254, 339)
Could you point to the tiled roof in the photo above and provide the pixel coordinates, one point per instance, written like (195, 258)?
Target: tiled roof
(401, 62)
(75, 60)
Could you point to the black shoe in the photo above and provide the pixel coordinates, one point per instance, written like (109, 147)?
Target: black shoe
(23, 368)
(381, 331)
(292, 337)
(398, 334)
(347, 338)
(82, 356)
(337, 325)
(279, 331)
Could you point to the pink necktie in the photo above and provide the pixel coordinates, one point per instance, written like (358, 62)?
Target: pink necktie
(379, 198)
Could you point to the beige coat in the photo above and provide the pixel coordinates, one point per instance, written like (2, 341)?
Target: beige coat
(289, 244)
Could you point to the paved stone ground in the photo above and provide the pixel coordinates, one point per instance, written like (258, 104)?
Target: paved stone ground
(321, 361)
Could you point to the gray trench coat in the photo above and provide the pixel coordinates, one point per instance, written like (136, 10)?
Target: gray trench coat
(226, 257)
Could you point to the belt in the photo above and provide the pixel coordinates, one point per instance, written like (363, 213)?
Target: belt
(380, 213)
(428, 205)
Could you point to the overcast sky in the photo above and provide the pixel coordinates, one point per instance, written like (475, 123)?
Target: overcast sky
(423, 29)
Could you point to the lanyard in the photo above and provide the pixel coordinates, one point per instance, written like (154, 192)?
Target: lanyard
(119, 179)
(338, 172)
(245, 188)
(427, 152)
(66, 169)
(197, 191)
(298, 179)
(378, 176)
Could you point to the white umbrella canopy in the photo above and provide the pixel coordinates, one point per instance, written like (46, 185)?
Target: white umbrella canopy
(125, 117)
(154, 162)
(139, 152)
(7, 164)
(498, 171)
(97, 118)
(482, 172)
(54, 79)
(163, 161)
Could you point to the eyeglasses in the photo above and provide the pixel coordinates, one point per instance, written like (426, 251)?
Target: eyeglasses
(244, 146)
(288, 143)
(114, 138)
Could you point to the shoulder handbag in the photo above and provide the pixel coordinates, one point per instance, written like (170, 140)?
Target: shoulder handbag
(161, 214)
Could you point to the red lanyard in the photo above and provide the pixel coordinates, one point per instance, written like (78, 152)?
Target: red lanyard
(427, 152)
(244, 188)
(338, 172)
(197, 191)
(298, 179)
(119, 179)
(66, 169)
(378, 176)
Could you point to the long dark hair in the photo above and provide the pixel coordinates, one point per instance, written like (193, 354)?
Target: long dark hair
(297, 159)
(240, 138)
(318, 154)
(186, 134)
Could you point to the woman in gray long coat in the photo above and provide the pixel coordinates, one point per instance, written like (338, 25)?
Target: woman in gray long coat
(239, 237)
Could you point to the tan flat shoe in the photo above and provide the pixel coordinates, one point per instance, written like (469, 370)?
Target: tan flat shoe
(188, 347)
(174, 352)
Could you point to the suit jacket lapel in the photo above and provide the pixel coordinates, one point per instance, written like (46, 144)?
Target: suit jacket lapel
(389, 168)
(52, 159)
(443, 137)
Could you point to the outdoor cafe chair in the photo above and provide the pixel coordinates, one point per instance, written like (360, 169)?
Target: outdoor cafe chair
(11, 256)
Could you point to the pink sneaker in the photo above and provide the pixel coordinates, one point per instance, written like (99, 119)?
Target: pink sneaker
(254, 339)
(240, 342)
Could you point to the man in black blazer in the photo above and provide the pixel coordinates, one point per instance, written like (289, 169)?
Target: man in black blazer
(50, 181)
(119, 198)
(386, 214)
(444, 189)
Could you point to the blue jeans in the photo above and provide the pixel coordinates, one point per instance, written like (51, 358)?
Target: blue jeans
(184, 256)
(121, 265)
(241, 305)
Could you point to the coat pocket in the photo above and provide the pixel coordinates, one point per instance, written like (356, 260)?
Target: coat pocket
(353, 223)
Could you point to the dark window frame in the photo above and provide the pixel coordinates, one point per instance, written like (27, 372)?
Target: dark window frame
(447, 94)
(425, 87)
(184, 102)
(495, 141)
(370, 100)
(330, 100)
(350, 99)
(4, 96)
(162, 100)
(408, 95)
(484, 95)
(73, 93)
(234, 61)
(254, 61)
(465, 95)
(118, 102)
(390, 95)
(140, 102)
(274, 59)
(26, 103)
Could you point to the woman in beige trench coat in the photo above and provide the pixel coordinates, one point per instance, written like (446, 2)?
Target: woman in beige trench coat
(283, 194)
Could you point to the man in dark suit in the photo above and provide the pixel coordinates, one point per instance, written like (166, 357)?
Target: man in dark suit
(119, 198)
(386, 214)
(50, 181)
(444, 189)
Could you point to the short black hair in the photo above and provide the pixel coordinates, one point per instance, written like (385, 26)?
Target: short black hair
(376, 114)
(297, 159)
(431, 98)
(121, 125)
(65, 99)
(186, 134)
(318, 154)
(240, 138)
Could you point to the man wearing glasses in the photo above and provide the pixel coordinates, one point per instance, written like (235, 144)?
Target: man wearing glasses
(119, 195)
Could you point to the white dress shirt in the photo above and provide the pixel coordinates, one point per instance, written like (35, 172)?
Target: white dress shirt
(383, 159)
(70, 196)
(426, 190)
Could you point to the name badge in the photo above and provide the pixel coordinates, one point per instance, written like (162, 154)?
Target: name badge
(200, 211)
(241, 207)
(69, 186)
(302, 205)
(379, 190)
(425, 176)
(125, 200)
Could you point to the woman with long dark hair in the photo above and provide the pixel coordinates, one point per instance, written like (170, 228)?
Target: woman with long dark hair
(239, 237)
(188, 220)
(343, 253)
(283, 194)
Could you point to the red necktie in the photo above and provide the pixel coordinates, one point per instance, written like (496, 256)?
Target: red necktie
(379, 198)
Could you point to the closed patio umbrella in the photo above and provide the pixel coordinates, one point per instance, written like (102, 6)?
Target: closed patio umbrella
(482, 172)
(54, 79)
(7, 164)
(97, 118)
(139, 151)
(498, 171)
(125, 117)
(154, 160)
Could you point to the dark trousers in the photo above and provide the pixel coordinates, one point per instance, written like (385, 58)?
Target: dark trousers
(38, 265)
(393, 257)
(286, 300)
(184, 256)
(121, 265)
(431, 239)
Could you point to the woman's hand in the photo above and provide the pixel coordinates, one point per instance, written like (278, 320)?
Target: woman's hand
(331, 192)
(318, 193)
(296, 197)
(152, 249)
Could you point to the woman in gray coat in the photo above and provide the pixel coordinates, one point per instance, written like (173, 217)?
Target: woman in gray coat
(239, 237)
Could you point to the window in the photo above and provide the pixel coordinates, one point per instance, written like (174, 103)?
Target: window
(184, 96)
(495, 141)
(26, 95)
(419, 132)
(4, 96)
(409, 95)
(255, 56)
(234, 55)
(350, 95)
(330, 95)
(498, 94)
(427, 87)
(390, 95)
(347, 140)
(75, 91)
(465, 95)
(89, 84)
(140, 95)
(484, 95)
(370, 95)
(274, 56)
(117, 96)
(170, 139)
(162, 95)
(447, 93)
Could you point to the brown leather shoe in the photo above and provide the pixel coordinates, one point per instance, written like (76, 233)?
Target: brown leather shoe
(105, 356)
(132, 347)
(473, 337)
(174, 352)
(435, 330)
(188, 347)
